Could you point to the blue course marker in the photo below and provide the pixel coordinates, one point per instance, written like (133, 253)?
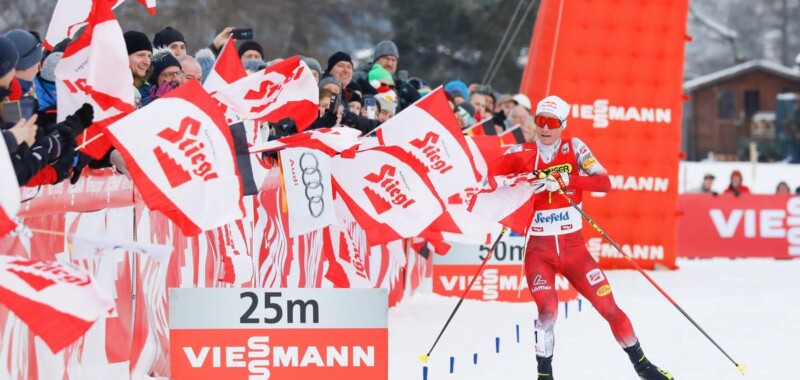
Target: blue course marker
(497, 344)
(425, 373)
(452, 364)
(535, 322)
(566, 310)
(475, 358)
(580, 304)
(517, 333)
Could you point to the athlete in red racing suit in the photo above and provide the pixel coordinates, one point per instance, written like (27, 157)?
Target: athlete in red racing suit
(555, 244)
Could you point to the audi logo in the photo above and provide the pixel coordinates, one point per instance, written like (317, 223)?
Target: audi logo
(312, 180)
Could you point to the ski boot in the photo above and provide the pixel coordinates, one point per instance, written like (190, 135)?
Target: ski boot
(644, 368)
(545, 367)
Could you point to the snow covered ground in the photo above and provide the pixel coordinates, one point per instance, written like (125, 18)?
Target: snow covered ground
(750, 307)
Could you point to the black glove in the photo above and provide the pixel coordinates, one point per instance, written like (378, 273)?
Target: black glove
(63, 166)
(83, 160)
(284, 127)
(81, 119)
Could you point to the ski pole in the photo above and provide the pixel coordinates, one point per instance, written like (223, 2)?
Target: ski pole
(740, 367)
(424, 357)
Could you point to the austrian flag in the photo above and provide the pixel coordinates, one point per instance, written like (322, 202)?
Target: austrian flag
(9, 193)
(285, 89)
(181, 157)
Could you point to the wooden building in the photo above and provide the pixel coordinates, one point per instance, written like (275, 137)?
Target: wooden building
(722, 105)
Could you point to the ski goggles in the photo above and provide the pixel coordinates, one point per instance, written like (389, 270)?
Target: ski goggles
(542, 121)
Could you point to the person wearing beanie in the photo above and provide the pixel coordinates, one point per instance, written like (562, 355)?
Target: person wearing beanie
(550, 240)
(379, 77)
(206, 58)
(458, 89)
(30, 53)
(387, 98)
(386, 55)
(314, 65)
(140, 50)
(166, 75)
(355, 103)
(331, 84)
(8, 61)
(254, 65)
(251, 50)
(172, 39)
(340, 66)
(45, 82)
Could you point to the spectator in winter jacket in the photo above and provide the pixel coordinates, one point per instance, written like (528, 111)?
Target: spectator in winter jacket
(140, 52)
(45, 82)
(387, 55)
(172, 39)
(30, 54)
(736, 188)
(167, 75)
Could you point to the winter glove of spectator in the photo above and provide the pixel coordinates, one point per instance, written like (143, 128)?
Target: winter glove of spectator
(81, 119)
(284, 127)
(83, 160)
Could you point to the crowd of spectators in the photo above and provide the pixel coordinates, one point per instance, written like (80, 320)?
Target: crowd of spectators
(43, 151)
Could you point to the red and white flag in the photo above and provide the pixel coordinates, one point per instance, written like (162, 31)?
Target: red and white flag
(58, 302)
(9, 193)
(507, 196)
(151, 6)
(429, 131)
(69, 16)
(388, 193)
(227, 69)
(309, 195)
(328, 140)
(95, 69)
(180, 154)
(285, 89)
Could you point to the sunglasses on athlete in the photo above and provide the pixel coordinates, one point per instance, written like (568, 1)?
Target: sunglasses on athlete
(542, 121)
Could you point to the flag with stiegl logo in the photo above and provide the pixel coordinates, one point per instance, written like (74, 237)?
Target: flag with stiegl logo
(181, 156)
(306, 177)
(95, 69)
(69, 16)
(428, 130)
(387, 191)
(58, 301)
(285, 89)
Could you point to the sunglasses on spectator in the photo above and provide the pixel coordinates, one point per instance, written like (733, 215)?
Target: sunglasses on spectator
(542, 121)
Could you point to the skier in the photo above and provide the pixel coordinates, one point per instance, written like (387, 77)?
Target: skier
(555, 244)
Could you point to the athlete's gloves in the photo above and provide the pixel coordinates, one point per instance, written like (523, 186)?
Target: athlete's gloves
(538, 185)
(556, 181)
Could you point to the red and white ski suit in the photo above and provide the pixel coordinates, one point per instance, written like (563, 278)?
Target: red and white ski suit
(555, 244)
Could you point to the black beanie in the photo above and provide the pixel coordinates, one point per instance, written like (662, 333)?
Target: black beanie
(161, 59)
(137, 41)
(336, 58)
(166, 37)
(250, 45)
(8, 56)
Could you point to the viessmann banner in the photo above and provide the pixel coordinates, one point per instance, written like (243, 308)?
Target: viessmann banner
(622, 77)
(275, 334)
(737, 227)
(501, 278)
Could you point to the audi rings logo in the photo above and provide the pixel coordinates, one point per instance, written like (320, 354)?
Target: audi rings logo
(312, 180)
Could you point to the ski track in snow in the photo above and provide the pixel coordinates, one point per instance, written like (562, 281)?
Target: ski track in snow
(750, 307)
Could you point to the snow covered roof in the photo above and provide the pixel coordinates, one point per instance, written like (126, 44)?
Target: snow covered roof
(733, 71)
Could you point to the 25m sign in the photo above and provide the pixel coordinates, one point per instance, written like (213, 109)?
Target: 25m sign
(279, 334)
